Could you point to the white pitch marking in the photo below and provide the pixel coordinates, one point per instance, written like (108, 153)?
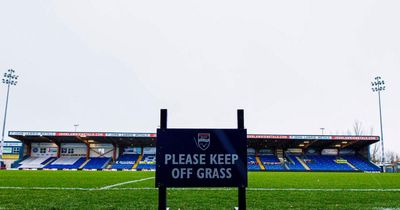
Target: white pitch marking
(201, 189)
(45, 188)
(76, 188)
(271, 189)
(128, 182)
(266, 189)
(324, 190)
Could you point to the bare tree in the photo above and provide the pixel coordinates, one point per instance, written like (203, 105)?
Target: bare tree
(396, 158)
(375, 148)
(391, 156)
(375, 155)
(357, 128)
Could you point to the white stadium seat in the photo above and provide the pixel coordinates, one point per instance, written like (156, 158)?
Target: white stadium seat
(33, 162)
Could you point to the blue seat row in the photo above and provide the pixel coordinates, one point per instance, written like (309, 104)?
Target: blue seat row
(325, 163)
(293, 164)
(125, 161)
(97, 163)
(148, 162)
(252, 164)
(272, 163)
(74, 165)
(362, 163)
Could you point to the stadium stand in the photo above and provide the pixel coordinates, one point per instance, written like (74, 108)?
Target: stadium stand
(66, 163)
(293, 163)
(35, 162)
(271, 163)
(266, 152)
(361, 163)
(2, 165)
(325, 163)
(17, 163)
(97, 163)
(252, 164)
(148, 162)
(125, 161)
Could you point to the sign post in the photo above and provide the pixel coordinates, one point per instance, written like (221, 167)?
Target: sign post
(242, 189)
(162, 190)
(201, 158)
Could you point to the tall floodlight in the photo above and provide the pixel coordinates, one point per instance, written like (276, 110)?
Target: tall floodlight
(76, 126)
(9, 79)
(322, 131)
(378, 85)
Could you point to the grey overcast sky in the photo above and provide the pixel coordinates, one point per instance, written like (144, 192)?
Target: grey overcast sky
(294, 66)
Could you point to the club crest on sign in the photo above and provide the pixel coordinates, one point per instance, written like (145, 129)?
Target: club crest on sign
(203, 141)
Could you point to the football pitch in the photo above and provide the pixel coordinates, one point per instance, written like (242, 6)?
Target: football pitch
(135, 190)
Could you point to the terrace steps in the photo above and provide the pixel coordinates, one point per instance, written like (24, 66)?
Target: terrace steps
(286, 166)
(84, 163)
(260, 163)
(303, 163)
(137, 162)
(49, 162)
(279, 154)
(352, 166)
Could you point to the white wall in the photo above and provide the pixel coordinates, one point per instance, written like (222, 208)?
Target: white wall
(149, 150)
(44, 150)
(101, 150)
(73, 149)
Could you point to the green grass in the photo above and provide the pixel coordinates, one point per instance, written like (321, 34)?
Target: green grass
(291, 191)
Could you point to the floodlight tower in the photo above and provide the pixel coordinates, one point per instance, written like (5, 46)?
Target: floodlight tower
(76, 126)
(9, 79)
(378, 85)
(322, 131)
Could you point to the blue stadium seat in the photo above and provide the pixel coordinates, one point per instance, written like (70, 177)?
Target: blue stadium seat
(325, 163)
(362, 163)
(272, 163)
(125, 161)
(66, 163)
(97, 163)
(293, 164)
(252, 164)
(148, 162)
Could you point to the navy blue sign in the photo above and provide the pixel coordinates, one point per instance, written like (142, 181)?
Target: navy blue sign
(201, 158)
